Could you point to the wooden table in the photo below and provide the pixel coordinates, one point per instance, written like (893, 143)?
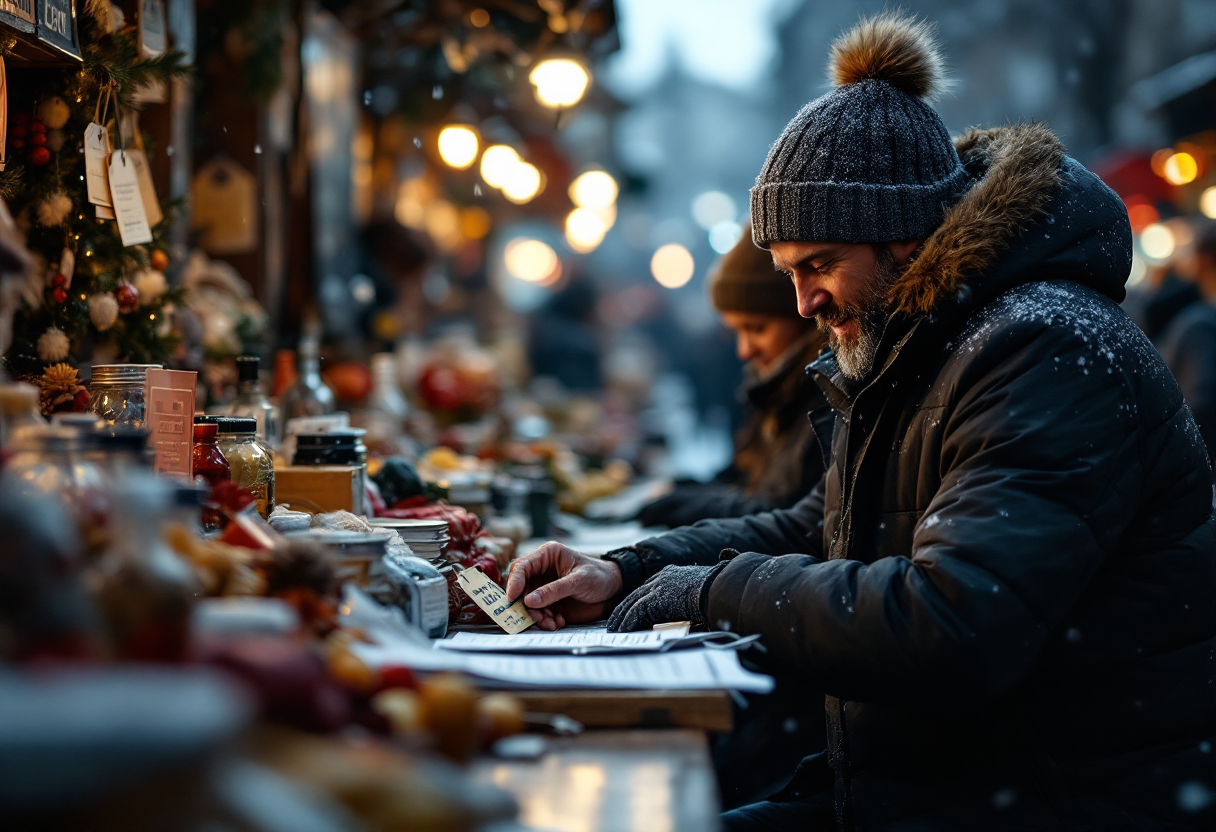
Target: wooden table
(703, 710)
(612, 781)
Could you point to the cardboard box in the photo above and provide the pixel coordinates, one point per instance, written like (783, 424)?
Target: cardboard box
(318, 488)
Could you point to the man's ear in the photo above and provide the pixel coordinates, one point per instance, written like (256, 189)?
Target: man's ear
(902, 252)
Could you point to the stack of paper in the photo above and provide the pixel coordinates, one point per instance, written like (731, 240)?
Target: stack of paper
(395, 644)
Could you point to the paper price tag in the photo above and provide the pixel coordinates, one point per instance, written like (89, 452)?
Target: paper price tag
(147, 191)
(96, 174)
(128, 207)
(492, 599)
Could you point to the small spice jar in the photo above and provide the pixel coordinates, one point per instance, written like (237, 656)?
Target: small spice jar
(117, 393)
(250, 461)
(207, 460)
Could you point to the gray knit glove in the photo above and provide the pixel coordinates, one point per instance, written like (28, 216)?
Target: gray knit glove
(673, 594)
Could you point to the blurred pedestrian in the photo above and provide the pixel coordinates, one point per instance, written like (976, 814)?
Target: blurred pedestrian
(1189, 343)
(562, 339)
(780, 453)
(1007, 578)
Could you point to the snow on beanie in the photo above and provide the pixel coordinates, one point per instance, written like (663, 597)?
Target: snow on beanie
(870, 161)
(744, 280)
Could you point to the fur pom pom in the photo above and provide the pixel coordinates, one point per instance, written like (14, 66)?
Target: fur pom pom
(892, 47)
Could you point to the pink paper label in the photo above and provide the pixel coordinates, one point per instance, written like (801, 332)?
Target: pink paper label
(170, 416)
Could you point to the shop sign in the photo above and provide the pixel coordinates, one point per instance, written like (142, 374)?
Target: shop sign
(57, 26)
(18, 12)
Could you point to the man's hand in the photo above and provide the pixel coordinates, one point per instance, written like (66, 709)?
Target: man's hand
(561, 586)
(674, 594)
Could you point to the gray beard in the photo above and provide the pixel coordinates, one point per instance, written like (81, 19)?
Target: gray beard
(856, 356)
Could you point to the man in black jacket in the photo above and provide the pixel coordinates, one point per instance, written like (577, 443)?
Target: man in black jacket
(1008, 580)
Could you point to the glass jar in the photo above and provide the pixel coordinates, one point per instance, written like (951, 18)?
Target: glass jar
(117, 392)
(47, 460)
(250, 462)
(206, 459)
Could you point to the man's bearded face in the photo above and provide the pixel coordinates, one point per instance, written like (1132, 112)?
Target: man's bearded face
(845, 288)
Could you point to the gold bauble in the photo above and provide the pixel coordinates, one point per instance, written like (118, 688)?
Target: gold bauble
(54, 112)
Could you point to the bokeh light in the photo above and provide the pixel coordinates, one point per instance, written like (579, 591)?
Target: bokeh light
(497, 163)
(713, 207)
(458, 146)
(594, 189)
(585, 229)
(559, 82)
(1207, 203)
(1157, 242)
(724, 235)
(531, 261)
(522, 183)
(475, 222)
(1180, 169)
(672, 266)
(1141, 215)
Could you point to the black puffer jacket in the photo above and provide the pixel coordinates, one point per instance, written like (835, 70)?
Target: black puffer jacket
(1009, 586)
(780, 454)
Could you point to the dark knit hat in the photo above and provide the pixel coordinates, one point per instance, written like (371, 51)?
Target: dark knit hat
(744, 280)
(871, 161)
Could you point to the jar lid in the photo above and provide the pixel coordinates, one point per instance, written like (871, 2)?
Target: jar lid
(116, 374)
(122, 440)
(247, 368)
(347, 543)
(204, 431)
(229, 424)
(49, 439)
(345, 438)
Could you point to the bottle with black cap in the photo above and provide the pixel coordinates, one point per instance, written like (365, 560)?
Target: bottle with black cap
(251, 402)
(250, 461)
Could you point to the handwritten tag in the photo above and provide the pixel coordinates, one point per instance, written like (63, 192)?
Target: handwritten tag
(97, 177)
(128, 206)
(492, 599)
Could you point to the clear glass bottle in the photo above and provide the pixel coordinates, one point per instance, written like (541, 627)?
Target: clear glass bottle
(309, 395)
(251, 402)
(18, 410)
(48, 461)
(145, 591)
(250, 462)
(117, 393)
(387, 408)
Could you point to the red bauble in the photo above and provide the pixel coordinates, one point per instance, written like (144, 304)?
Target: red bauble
(38, 139)
(36, 126)
(20, 131)
(59, 295)
(127, 297)
(59, 281)
(18, 144)
(40, 156)
(21, 118)
(81, 403)
(158, 260)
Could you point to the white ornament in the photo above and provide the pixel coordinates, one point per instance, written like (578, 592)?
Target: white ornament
(103, 311)
(53, 210)
(53, 345)
(67, 265)
(150, 284)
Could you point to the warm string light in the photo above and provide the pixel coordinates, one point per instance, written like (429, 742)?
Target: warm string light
(559, 82)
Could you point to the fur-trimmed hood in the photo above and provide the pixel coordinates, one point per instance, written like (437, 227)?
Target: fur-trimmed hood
(1033, 213)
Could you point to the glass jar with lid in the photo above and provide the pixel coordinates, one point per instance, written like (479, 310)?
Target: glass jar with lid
(48, 460)
(250, 461)
(117, 393)
(339, 446)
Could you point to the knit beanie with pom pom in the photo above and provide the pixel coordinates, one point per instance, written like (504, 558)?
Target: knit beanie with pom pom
(871, 161)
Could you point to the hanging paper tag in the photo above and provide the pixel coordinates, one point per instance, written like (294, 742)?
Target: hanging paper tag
(147, 190)
(492, 599)
(128, 207)
(104, 212)
(96, 151)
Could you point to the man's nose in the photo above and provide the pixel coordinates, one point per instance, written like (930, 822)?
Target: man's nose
(810, 299)
(744, 348)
